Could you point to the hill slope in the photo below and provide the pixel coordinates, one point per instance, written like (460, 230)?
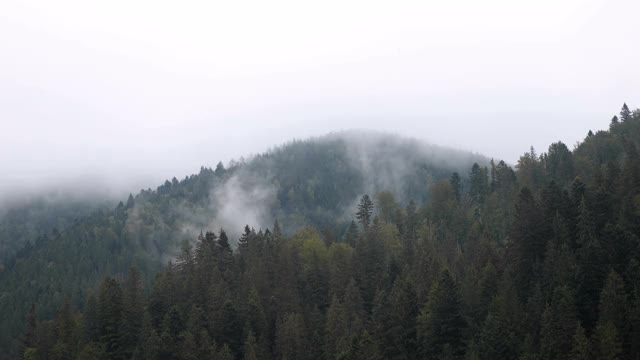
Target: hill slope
(312, 182)
(538, 263)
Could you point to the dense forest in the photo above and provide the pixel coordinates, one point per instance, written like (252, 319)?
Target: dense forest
(23, 223)
(315, 182)
(539, 261)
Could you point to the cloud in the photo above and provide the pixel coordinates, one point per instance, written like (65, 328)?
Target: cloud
(242, 200)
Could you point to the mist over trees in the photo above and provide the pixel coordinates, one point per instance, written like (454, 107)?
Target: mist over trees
(316, 182)
(472, 261)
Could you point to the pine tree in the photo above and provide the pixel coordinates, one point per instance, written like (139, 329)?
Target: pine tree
(243, 242)
(528, 237)
(250, 348)
(501, 334)
(133, 312)
(110, 316)
(189, 348)
(223, 241)
(291, 339)
(130, 202)
(399, 332)
(478, 184)
(559, 163)
(625, 113)
(64, 326)
(609, 346)
(365, 210)
(351, 236)
(558, 325)
(411, 222)
(456, 185)
(231, 334)
(440, 322)
(337, 334)
(367, 349)
(91, 324)
(277, 231)
(613, 310)
(225, 353)
(29, 340)
(582, 349)
(256, 318)
(614, 122)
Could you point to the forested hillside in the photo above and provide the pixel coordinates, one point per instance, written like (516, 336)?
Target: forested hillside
(536, 262)
(23, 224)
(316, 182)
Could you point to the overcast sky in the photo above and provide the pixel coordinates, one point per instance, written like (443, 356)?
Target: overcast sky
(132, 92)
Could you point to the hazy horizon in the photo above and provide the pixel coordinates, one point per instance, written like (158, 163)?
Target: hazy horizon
(122, 95)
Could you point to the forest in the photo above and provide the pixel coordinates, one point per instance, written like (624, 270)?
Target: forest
(477, 260)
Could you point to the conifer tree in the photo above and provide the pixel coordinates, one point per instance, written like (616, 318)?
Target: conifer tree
(625, 113)
(250, 348)
(614, 307)
(558, 325)
(456, 185)
(110, 316)
(581, 349)
(352, 234)
(365, 210)
(29, 340)
(440, 323)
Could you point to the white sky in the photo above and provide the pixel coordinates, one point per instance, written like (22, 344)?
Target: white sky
(133, 92)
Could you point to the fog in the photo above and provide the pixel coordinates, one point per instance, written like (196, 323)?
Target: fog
(250, 192)
(117, 96)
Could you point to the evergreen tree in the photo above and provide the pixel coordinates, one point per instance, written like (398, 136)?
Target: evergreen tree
(231, 334)
(250, 348)
(558, 325)
(367, 349)
(456, 185)
(29, 341)
(478, 184)
(609, 346)
(277, 231)
(132, 312)
(440, 323)
(225, 353)
(352, 235)
(243, 242)
(365, 210)
(625, 113)
(528, 236)
(582, 349)
(291, 340)
(110, 316)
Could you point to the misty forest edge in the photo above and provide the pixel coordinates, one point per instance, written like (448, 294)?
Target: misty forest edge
(463, 260)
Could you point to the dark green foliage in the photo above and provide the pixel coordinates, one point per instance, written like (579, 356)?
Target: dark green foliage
(456, 185)
(440, 324)
(559, 163)
(365, 210)
(478, 184)
(558, 325)
(581, 348)
(537, 263)
(110, 318)
(528, 241)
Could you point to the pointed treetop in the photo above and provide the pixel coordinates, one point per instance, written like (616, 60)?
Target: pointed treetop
(277, 231)
(625, 113)
(223, 240)
(614, 120)
(365, 209)
(130, 201)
